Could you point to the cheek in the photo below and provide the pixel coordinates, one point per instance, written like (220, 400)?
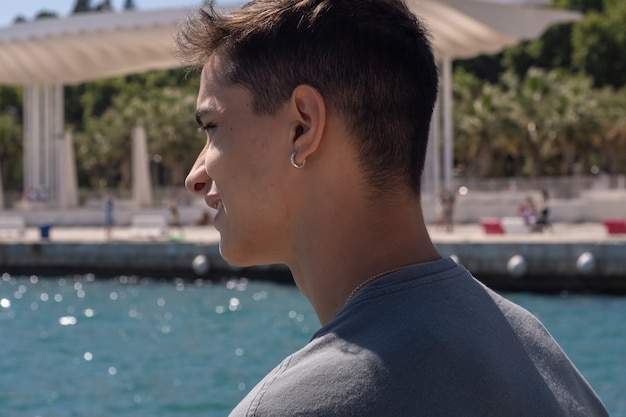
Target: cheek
(258, 159)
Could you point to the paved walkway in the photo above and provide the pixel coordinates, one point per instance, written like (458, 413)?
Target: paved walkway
(196, 234)
(560, 233)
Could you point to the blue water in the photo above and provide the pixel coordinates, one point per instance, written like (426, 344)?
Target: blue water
(79, 346)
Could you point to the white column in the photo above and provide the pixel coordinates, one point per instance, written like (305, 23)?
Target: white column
(67, 184)
(43, 128)
(62, 183)
(47, 138)
(142, 188)
(1, 190)
(32, 160)
(448, 150)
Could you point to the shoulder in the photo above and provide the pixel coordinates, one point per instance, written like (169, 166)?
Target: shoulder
(328, 375)
(436, 340)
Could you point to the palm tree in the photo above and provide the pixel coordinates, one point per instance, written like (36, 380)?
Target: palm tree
(578, 124)
(612, 108)
(532, 116)
(482, 142)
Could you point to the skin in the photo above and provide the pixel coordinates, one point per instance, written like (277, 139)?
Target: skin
(321, 221)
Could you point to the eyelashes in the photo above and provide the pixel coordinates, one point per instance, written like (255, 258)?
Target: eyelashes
(207, 127)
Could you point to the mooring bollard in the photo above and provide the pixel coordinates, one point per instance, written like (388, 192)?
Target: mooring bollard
(586, 263)
(517, 266)
(200, 265)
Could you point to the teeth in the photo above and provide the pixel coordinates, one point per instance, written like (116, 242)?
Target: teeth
(218, 205)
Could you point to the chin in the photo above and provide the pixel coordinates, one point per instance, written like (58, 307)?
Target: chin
(242, 258)
(236, 258)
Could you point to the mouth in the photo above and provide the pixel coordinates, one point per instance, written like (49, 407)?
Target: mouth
(214, 201)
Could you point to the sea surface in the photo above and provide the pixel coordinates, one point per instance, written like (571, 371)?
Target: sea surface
(81, 346)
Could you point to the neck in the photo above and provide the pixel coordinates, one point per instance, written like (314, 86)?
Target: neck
(344, 248)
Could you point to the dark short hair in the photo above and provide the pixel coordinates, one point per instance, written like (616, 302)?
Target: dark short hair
(371, 60)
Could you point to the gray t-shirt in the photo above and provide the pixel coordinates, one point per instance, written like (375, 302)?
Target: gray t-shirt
(430, 341)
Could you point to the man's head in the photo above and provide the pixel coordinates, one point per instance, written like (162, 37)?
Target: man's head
(370, 60)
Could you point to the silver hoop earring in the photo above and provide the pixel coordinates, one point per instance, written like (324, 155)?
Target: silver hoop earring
(292, 159)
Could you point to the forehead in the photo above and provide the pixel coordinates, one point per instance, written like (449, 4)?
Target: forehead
(209, 93)
(211, 79)
(217, 95)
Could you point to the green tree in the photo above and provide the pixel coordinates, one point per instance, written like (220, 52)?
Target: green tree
(11, 101)
(599, 42)
(11, 151)
(485, 67)
(532, 116)
(552, 50)
(82, 6)
(583, 6)
(172, 133)
(11, 141)
(46, 14)
(88, 100)
(578, 125)
(546, 123)
(482, 136)
(104, 147)
(558, 119)
(612, 149)
(104, 6)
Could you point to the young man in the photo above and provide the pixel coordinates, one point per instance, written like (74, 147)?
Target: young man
(317, 115)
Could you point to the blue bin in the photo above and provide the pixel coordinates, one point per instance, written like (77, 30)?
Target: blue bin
(44, 231)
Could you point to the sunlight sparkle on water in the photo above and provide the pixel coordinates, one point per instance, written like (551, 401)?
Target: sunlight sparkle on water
(168, 344)
(67, 321)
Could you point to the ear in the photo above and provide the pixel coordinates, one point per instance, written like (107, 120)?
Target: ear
(309, 121)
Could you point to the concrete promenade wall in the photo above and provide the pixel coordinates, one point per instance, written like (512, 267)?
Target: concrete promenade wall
(550, 267)
(160, 259)
(552, 259)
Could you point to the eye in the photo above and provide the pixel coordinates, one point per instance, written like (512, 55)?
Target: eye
(207, 127)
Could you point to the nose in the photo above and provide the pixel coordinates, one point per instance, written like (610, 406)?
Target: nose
(198, 181)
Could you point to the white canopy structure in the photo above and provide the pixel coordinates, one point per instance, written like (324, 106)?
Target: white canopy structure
(45, 55)
(87, 46)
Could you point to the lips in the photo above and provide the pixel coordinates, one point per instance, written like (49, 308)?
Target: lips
(214, 201)
(213, 198)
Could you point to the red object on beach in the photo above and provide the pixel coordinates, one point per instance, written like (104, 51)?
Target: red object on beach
(615, 226)
(492, 226)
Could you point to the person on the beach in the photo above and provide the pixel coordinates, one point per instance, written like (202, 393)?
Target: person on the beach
(317, 115)
(528, 211)
(108, 215)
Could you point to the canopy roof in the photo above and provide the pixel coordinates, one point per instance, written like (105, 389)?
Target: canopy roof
(90, 46)
(468, 28)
